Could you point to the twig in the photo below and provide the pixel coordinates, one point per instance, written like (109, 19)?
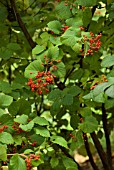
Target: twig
(21, 154)
(22, 25)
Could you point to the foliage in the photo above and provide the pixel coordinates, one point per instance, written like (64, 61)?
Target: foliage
(56, 82)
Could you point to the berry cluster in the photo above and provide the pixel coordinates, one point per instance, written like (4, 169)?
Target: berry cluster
(72, 136)
(65, 27)
(34, 143)
(104, 79)
(41, 82)
(2, 128)
(94, 43)
(12, 148)
(44, 79)
(29, 159)
(17, 128)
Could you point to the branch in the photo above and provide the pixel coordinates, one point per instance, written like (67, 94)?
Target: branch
(22, 25)
(100, 151)
(106, 130)
(89, 152)
(93, 11)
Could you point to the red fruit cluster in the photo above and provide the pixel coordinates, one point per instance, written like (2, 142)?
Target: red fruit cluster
(81, 28)
(42, 82)
(2, 128)
(65, 27)
(29, 159)
(94, 44)
(34, 143)
(17, 128)
(104, 79)
(72, 136)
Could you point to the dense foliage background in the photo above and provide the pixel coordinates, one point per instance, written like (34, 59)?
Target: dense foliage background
(56, 83)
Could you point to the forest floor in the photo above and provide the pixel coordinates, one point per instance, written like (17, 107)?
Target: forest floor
(85, 163)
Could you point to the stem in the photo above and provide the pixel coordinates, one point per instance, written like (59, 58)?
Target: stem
(21, 154)
(22, 25)
(93, 11)
(89, 152)
(9, 75)
(100, 151)
(106, 130)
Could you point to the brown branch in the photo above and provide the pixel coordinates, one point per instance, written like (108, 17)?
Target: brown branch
(101, 152)
(106, 130)
(22, 25)
(89, 152)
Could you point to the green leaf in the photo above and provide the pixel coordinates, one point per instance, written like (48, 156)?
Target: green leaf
(5, 53)
(6, 119)
(75, 21)
(20, 107)
(109, 103)
(38, 138)
(61, 71)
(97, 94)
(17, 140)
(38, 49)
(110, 91)
(56, 107)
(5, 87)
(54, 94)
(74, 90)
(3, 154)
(75, 106)
(2, 112)
(24, 106)
(21, 119)
(37, 163)
(63, 11)
(87, 16)
(100, 98)
(55, 40)
(108, 61)
(5, 100)
(89, 125)
(59, 140)
(86, 111)
(77, 47)
(13, 46)
(27, 127)
(76, 75)
(53, 52)
(42, 131)
(67, 100)
(74, 121)
(55, 26)
(6, 138)
(28, 151)
(40, 121)
(71, 36)
(17, 163)
(54, 162)
(33, 68)
(87, 3)
(69, 163)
